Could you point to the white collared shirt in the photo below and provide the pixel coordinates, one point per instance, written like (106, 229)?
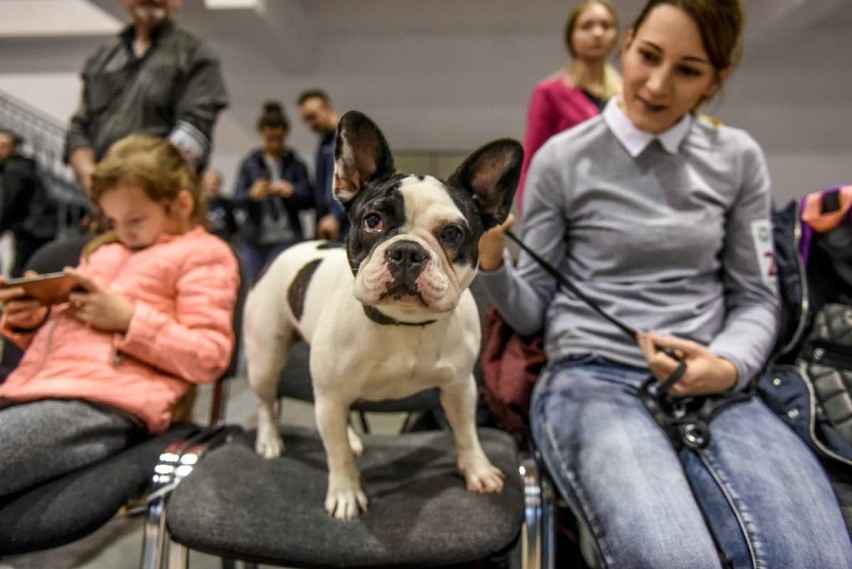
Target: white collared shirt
(635, 141)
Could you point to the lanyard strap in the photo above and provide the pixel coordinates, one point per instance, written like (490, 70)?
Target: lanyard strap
(628, 330)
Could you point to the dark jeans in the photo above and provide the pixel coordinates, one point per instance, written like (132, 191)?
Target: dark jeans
(258, 256)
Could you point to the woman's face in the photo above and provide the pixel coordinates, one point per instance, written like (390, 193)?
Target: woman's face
(273, 138)
(666, 70)
(594, 33)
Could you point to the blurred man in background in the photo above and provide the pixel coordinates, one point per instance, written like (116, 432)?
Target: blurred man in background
(26, 207)
(156, 78)
(318, 114)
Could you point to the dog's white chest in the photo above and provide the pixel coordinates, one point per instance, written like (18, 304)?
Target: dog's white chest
(405, 372)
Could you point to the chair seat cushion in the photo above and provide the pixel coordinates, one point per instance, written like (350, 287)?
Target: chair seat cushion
(239, 505)
(78, 503)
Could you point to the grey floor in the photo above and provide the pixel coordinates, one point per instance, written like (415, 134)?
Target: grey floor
(118, 544)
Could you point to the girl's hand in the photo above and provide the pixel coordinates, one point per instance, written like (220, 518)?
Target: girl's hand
(706, 373)
(22, 312)
(99, 308)
(491, 245)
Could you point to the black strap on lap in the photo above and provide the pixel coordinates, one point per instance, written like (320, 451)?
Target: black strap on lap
(686, 420)
(676, 375)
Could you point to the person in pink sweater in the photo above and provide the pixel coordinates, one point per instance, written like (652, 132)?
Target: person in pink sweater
(580, 90)
(153, 316)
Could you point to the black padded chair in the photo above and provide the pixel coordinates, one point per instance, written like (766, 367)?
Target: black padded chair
(72, 506)
(238, 505)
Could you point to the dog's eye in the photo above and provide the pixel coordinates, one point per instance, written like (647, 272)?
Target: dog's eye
(373, 222)
(452, 234)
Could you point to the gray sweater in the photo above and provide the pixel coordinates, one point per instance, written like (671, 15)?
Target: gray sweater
(669, 233)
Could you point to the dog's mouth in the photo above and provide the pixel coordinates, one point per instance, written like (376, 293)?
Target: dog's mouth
(400, 293)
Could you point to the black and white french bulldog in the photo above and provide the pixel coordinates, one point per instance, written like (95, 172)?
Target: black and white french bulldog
(391, 314)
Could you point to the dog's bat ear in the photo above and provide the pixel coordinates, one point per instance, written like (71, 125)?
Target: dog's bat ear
(491, 175)
(361, 155)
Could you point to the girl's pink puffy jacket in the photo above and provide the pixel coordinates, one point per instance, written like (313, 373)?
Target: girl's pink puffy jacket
(185, 290)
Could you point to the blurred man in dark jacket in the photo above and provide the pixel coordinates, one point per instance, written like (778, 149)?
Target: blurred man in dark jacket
(318, 114)
(154, 78)
(26, 207)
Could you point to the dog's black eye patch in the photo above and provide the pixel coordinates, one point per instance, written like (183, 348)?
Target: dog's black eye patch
(382, 203)
(452, 234)
(299, 287)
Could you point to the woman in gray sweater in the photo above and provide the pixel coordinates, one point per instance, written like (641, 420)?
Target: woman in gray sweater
(662, 218)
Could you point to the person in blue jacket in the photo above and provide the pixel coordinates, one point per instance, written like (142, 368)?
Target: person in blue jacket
(272, 188)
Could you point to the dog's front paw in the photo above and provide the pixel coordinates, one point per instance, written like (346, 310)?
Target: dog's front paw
(269, 443)
(345, 500)
(482, 476)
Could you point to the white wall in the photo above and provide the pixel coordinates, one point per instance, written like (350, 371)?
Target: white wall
(452, 74)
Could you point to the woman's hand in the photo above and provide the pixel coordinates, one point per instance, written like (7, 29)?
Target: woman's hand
(491, 245)
(99, 308)
(22, 312)
(281, 188)
(260, 189)
(706, 373)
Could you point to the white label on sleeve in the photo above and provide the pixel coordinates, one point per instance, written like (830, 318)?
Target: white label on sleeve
(761, 234)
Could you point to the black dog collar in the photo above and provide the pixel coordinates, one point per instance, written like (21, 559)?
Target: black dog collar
(378, 317)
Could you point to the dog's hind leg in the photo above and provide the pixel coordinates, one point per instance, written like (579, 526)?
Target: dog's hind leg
(355, 442)
(268, 338)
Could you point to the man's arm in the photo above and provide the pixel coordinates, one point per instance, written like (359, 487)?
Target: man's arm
(78, 142)
(199, 103)
(82, 161)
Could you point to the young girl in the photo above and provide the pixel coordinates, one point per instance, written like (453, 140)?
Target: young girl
(153, 316)
(580, 90)
(662, 218)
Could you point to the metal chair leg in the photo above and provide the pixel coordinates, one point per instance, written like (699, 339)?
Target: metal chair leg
(178, 556)
(154, 536)
(548, 522)
(175, 463)
(538, 539)
(365, 426)
(531, 533)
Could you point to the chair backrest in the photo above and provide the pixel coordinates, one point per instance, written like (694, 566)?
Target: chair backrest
(217, 406)
(56, 255)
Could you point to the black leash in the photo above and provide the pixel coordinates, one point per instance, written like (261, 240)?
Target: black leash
(685, 421)
(665, 385)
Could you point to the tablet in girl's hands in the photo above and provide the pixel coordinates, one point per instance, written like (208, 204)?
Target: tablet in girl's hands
(49, 288)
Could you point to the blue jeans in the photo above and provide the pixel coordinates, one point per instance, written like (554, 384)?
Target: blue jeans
(756, 485)
(258, 256)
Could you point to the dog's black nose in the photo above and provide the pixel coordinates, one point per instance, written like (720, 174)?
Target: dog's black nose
(406, 257)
